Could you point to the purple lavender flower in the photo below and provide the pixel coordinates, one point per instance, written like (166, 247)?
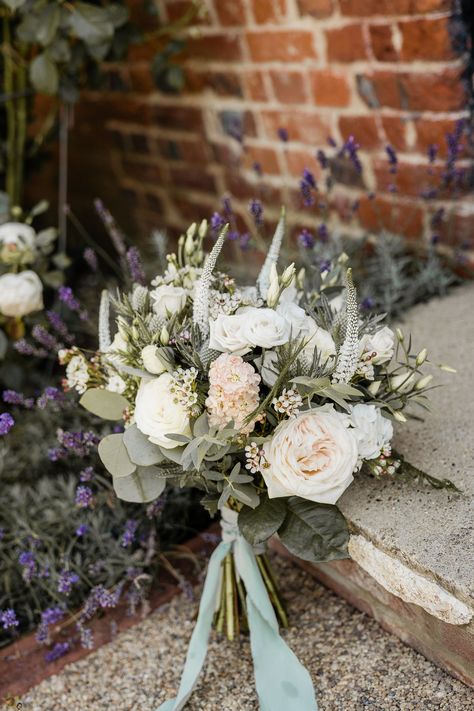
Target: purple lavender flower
(257, 168)
(6, 423)
(129, 532)
(84, 497)
(86, 474)
(67, 297)
(256, 210)
(306, 239)
(307, 185)
(81, 530)
(52, 615)
(66, 580)
(59, 650)
(90, 257)
(8, 618)
(86, 637)
(45, 339)
(323, 232)
(50, 394)
(110, 225)
(2, 533)
(324, 265)
(227, 207)
(12, 397)
(244, 241)
(283, 134)
(331, 142)
(59, 326)
(322, 159)
(432, 152)
(453, 140)
(134, 261)
(367, 303)
(78, 444)
(434, 239)
(392, 158)
(351, 148)
(233, 235)
(28, 562)
(217, 223)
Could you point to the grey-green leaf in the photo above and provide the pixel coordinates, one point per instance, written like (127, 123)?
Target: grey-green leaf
(246, 494)
(140, 450)
(103, 403)
(259, 524)
(44, 74)
(140, 487)
(314, 532)
(114, 456)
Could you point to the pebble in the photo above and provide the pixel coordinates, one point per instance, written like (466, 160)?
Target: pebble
(355, 665)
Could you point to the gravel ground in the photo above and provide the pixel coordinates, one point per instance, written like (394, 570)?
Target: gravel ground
(354, 663)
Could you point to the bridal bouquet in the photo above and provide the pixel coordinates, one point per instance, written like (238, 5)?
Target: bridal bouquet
(270, 399)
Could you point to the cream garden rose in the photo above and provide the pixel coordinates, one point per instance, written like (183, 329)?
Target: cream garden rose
(20, 294)
(157, 413)
(312, 456)
(168, 300)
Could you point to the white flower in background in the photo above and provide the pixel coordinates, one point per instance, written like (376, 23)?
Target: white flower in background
(223, 303)
(168, 300)
(263, 327)
(312, 456)
(77, 374)
(151, 361)
(226, 335)
(378, 347)
(20, 294)
(338, 303)
(289, 295)
(17, 234)
(372, 430)
(116, 384)
(157, 414)
(295, 315)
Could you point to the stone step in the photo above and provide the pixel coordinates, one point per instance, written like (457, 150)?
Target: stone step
(412, 547)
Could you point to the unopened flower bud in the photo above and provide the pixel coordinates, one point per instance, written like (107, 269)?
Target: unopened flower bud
(273, 274)
(164, 336)
(423, 382)
(288, 275)
(189, 245)
(191, 231)
(374, 387)
(402, 382)
(181, 241)
(343, 258)
(300, 279)
(272, 294)
(400, 335)
(202, 229)
(399, 416)
(447, 368)
(421, 357)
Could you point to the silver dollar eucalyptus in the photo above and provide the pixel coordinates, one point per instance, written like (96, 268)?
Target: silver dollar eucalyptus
(348, 357)
(263, 280)
(201, 301)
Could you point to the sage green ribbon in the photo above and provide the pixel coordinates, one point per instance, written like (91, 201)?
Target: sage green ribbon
(282, 682)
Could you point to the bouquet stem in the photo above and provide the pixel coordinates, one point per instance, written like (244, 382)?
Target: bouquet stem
(231, 615)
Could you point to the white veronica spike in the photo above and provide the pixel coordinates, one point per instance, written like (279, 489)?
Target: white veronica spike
(263, 280)
(104, 322)
(201, 299)
(348, 356)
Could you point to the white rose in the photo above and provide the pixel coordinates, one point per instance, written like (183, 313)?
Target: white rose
(381, 343)
(294, 314)
(303, 326)
(264, 327)
(372, 430)
(157, 414)
(20, 294)
(226, 335)
(18, 234)
(312, 456)
(151, 361)
(168, 300)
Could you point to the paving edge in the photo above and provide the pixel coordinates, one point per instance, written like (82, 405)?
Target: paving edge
(23, 664)
(450, 646)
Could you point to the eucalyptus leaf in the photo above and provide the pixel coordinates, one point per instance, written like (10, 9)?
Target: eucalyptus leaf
(140, 450)
(313, 531)
(140, 487)
(175, 454)
(47, 23)
(90, 23)
(246, 494)
(259, 524)
(103, 403)
(44, 74)
(114, 456)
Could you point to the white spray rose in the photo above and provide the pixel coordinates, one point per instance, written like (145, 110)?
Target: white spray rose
(151, 361)
(168, 300)
(312, 456)
(381, 344)
(372, 430)
(264, 327)
(18, 234)
(226, 335)
(303, 326)
(157, 414)
(20, 294)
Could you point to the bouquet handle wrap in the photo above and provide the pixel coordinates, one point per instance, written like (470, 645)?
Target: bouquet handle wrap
(282, 682)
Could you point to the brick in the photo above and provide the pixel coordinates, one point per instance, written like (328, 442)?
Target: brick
(410, 179)
(381, 39)
(368, 8)
(426, 39)
(261, 159)
(269, 10)
(394, 127)
(363, 128)
(225, 83)
(330, 88)
(254, 85)
(230, 12)
(190, 178)
(191, 151)
(388, 214)
(289, 87)
(301, 126)
(216, 47)
(284, 46)
(316, 8)
(177, 9)
(142, 172)
(416, 91)
(242, 189)
(299, 159)
(141, 79)
(433, 132)
(178, 118)
(346, 44)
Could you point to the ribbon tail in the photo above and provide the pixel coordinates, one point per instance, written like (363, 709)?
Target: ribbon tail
(200, 638)
(282, 682)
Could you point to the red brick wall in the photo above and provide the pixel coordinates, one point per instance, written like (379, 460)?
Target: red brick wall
(385, 71)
